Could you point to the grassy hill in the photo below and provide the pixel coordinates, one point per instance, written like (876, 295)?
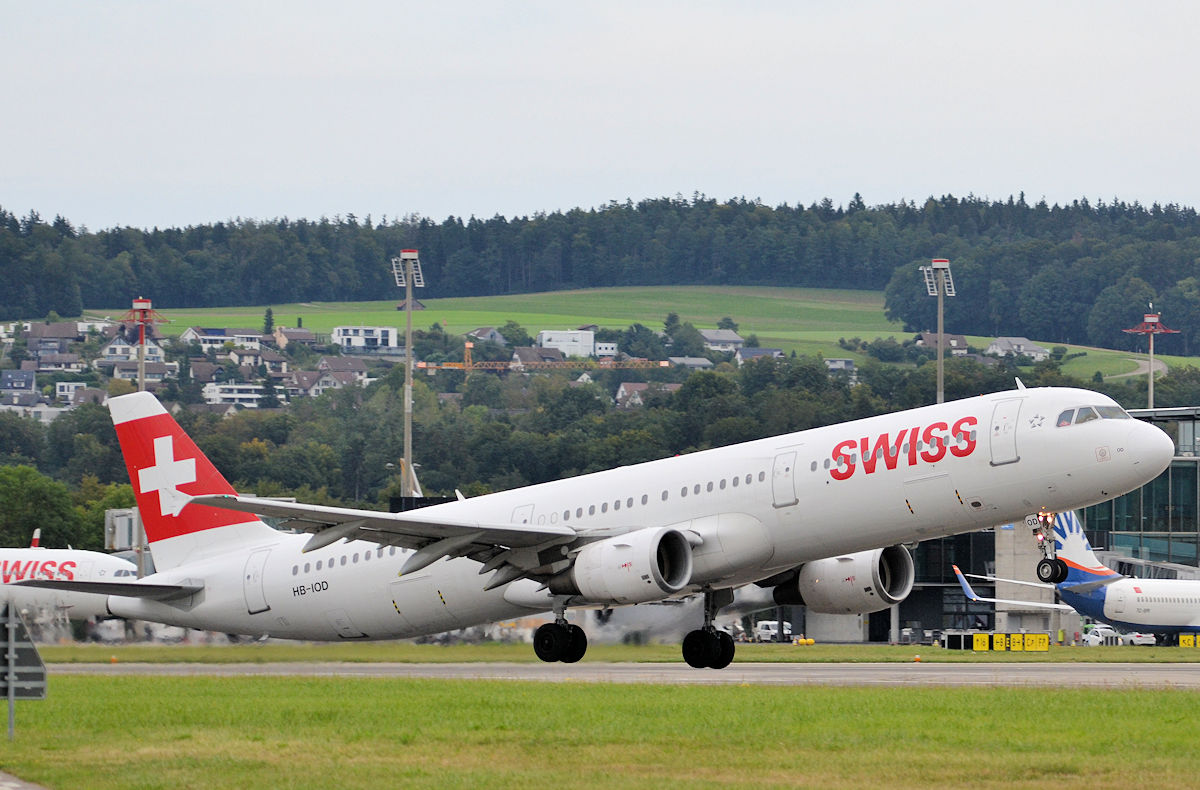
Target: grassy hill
(804, 320)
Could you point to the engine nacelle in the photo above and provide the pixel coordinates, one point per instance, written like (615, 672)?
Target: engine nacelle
(861, 583)
(641, 566)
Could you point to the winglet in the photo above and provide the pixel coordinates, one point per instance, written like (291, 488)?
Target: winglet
(962, 580)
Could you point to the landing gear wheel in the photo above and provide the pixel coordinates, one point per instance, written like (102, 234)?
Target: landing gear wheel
(1063, 570)
(576, 645)
(550, 642)
(1047, 570)
(699, 648)
(725, 650)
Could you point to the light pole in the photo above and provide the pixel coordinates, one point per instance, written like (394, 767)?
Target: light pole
(407, 270)
(939, 283)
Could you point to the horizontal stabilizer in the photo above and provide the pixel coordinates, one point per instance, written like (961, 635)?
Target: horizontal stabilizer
(972, 596)
(155, 592)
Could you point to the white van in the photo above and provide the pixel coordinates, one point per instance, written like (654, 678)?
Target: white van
(768, 631)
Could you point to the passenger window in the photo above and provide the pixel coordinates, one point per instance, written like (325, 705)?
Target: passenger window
(617, 504)
(306, 567)
(591, 510)
(343, 559)
(629, 502)
(646, 498)
(603, 507)
(578, 512)
(295, 569)
(735, 481)
(696, 489)
(566, 515)
(318, 565)
(722, 484)
(683, 491)
(1086, 414)
(762, 476)
(750, 478)
(1065, 417)
(709, 487)
(664, 496)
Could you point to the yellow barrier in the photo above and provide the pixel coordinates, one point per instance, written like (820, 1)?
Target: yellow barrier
(1000, 642)
(1016, 642)
(980, 642)
(1187, 640)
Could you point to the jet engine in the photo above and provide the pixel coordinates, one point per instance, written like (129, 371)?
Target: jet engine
(641, 566)
(861, 583)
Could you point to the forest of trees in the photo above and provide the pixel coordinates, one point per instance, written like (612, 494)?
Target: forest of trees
(1076, 274)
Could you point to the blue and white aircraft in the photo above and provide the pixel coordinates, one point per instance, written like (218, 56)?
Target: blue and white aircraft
(1159, 606)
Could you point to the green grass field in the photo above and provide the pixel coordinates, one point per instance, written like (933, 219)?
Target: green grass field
(804, 320)
(207, 732)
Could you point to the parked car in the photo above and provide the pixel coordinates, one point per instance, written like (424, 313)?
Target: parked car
(768, 631)
(1106, 634)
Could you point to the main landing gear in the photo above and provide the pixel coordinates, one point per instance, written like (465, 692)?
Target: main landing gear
(560, 640)
(1050, 570)
(707, 646)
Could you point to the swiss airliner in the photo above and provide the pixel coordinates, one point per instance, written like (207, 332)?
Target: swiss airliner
(1157, 606)
(804, 514)
(37, 562)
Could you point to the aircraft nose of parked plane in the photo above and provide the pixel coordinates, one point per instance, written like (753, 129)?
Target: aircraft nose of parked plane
(1151, 449)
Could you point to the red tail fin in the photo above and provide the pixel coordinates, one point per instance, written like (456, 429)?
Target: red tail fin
(165, 468)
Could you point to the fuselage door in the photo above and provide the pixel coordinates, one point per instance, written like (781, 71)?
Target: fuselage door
(1118, 601)
(523, 515)
(252, 582)
(1004, 432)
(783, 477)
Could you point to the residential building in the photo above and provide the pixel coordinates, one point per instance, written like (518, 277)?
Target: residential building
(487, 334)
(18, 381)
(235, 394)
(571, 342)
(532, 356)
(692, 363)
(725, 340)
(367, 338)
(743, 355)
(632, 394)
(606, 349)
(284, 335)
(351, 365)
(1017, 346)
(65, 390)
(121, 350)
(156, 372)
(216, 338)
(59, 363)
(955, 344)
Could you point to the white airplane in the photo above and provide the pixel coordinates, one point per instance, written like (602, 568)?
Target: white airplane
(803, 513)
(1088, 586)
(67, 565)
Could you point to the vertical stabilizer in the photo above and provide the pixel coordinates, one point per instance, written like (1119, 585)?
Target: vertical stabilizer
(1072, 547)
(166, 467)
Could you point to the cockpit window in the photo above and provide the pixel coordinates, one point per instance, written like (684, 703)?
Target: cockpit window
(1065, 417)
(1113, 413)
(1086, 414)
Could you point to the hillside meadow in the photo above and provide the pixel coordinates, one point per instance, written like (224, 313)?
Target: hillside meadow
(808, 321)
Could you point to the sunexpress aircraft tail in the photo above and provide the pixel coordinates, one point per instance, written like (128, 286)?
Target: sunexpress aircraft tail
(1088, 579)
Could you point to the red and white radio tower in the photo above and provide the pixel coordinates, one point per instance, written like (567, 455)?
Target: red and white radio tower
(1151, 326)
(142, 314)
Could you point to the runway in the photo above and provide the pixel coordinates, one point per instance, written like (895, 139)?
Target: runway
(1103, 675)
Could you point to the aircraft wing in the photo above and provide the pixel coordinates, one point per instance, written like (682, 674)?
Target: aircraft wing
(432, 536)
(156, 592)
(972, 596)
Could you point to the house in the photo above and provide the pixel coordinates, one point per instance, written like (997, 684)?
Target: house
(156, 372)
(17, 381)
(88, 395)
(216, 338)
(277, 364)
(692, 363)
(65, 331)
(121, 350)
(241, 394)
(725, 340)
(606, 349)
(571, 342)
(59, 363)
(955, 344)
(487, 334)
(313, 383)
(743, 355)
(632, 394)
(65, 390)
(840, 366)
(1017, 346)
(350, 365)
(367, 338)
(532, 356)
(284, 335)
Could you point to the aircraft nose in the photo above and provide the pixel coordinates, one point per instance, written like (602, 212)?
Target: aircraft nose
(1150, 448)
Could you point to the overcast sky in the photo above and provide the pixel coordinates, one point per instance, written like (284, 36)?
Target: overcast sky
(181, 113)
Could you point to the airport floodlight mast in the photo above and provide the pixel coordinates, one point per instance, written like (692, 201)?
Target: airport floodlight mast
(407, 271)
(1151, 326)
(142, 314)
(939, 283)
